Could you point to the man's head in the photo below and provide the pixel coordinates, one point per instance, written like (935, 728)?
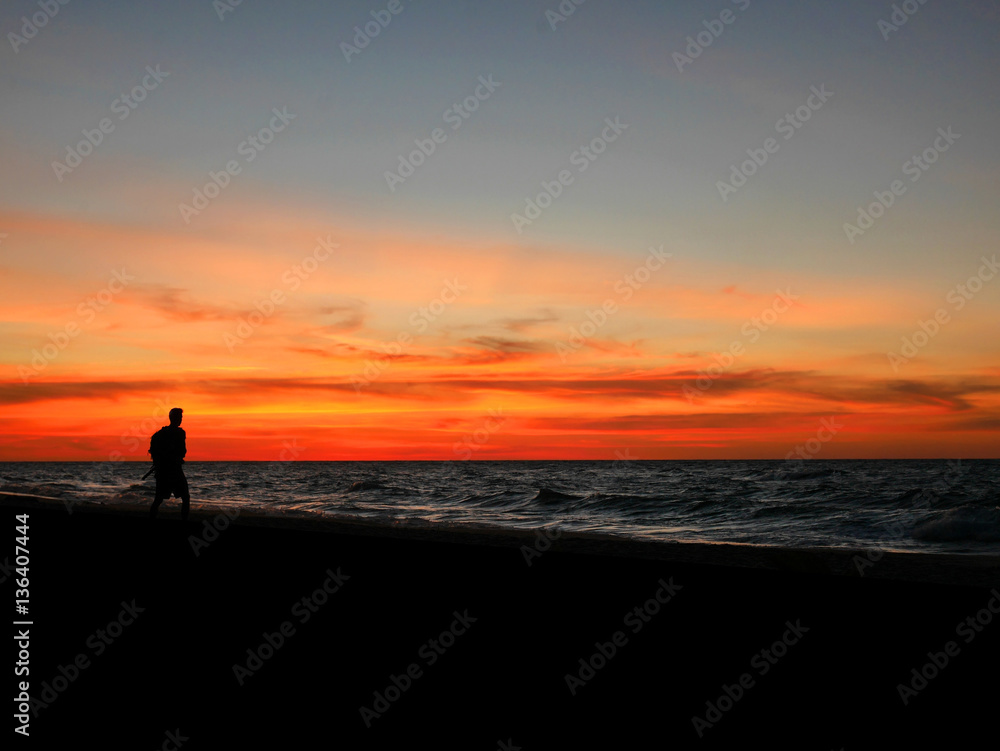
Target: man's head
(176, 415)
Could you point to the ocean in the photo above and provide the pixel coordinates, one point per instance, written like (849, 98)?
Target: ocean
(941, 506)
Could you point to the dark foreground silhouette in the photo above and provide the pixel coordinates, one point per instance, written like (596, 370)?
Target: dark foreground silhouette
(167, 448)
(269, 632)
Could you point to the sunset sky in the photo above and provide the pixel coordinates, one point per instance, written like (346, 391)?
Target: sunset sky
(326, 295)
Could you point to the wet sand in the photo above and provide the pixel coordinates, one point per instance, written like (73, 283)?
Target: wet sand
(265, 630)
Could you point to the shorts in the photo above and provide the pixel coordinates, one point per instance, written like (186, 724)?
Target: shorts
(171, 482)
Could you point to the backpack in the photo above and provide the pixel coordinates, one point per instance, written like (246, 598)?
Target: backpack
(159, 445)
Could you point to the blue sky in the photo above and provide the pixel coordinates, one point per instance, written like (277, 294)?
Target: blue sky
(656, 184)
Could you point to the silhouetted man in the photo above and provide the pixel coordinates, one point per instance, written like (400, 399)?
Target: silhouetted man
(167, 447)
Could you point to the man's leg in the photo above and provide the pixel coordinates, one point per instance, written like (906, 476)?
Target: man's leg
(157, 500)
(185, 496)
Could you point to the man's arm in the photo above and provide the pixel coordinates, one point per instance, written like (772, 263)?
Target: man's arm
(182, 444)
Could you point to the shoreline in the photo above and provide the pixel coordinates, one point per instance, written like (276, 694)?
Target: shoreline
(958, 569)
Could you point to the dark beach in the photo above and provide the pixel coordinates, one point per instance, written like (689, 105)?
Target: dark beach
(469, 647)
